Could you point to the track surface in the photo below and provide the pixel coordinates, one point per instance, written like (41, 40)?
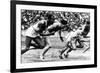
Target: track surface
(52, 55)
(33, 55)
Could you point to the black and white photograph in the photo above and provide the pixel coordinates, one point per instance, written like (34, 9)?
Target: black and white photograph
(51, 36)
(54, 36)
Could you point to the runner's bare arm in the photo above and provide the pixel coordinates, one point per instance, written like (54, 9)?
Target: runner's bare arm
(47, 34)
(61, 38)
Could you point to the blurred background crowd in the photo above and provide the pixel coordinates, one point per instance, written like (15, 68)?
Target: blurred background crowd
(29, 17)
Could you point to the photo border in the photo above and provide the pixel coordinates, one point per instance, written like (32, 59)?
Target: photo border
(13, 35)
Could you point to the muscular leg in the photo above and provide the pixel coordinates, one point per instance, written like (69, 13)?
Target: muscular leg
(80, 43)
(45, 49)
(71, 47)
(39, 42)
(63, 51)
(66, 50)
(27, 44)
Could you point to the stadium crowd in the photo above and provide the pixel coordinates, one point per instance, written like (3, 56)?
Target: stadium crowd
(73, 19)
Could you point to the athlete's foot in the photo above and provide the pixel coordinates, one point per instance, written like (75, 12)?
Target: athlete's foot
(42, 58)
(66, 55)
(60, 56)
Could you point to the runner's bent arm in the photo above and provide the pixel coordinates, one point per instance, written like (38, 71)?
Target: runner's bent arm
(60, 36)
(47, 34)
